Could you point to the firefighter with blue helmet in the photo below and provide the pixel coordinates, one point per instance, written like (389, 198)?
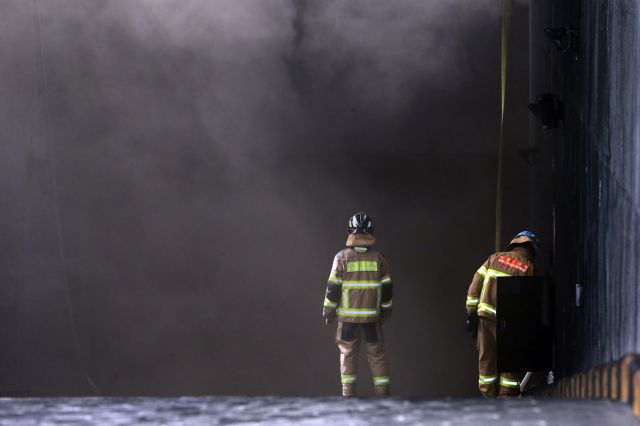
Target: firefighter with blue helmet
(359, 295)
(482, 308)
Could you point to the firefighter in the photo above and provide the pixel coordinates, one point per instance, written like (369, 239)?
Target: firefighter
(359, 295)
(482, 307)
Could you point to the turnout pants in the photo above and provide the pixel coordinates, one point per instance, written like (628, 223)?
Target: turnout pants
(491, 382)
(348, 338)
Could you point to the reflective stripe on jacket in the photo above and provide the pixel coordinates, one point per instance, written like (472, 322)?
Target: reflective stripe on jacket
(359, 285)
(482, 295)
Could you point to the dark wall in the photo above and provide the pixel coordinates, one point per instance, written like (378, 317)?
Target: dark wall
(176, 176)
(597, 190)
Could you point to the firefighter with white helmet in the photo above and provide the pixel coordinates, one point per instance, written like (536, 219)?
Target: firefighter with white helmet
(359, 294)
(482, 308)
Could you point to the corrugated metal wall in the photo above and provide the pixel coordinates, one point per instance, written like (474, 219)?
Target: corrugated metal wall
(597, 179)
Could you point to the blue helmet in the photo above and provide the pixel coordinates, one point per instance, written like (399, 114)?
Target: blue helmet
(525, 238)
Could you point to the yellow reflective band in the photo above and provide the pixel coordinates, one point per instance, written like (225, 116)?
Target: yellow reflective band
(381, 380)
(492, 273)
(358, 312)
(361, 284)
(335, 280)
(386, 279)
(485, 380)
(495, 273)
(508, 383)
(485, 307)
(472, 301)
(360, 249)
(329, 304)
(482, 271)
(489, 274)
(387, 305)
(492, 377)
(484, 287)
(362, 266)
(348, 378)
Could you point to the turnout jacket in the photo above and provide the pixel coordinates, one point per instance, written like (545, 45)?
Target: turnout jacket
(483, 293)
(359, 288)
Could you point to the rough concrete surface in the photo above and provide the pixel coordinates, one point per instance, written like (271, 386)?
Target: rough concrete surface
(309, 411)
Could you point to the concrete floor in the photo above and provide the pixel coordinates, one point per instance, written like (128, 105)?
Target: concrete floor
(309, 411)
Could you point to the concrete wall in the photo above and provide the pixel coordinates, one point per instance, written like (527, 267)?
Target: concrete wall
(597, 188)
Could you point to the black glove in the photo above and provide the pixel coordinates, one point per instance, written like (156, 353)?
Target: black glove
(472, 324)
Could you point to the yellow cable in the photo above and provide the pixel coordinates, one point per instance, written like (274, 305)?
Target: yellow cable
(506, 12)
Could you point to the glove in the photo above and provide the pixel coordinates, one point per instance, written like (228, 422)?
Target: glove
(329, 315)
(471, 325)
(386, 313)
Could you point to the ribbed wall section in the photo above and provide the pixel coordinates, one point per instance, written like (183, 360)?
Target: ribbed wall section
(597, 175)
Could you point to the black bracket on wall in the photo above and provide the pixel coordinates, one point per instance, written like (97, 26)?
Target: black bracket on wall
(548, 109)
(564, 39)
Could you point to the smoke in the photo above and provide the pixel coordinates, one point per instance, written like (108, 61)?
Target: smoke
(379, 55)
(207, 156)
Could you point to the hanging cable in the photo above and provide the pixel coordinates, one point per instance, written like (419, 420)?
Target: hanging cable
(504, 39)
(42, 70)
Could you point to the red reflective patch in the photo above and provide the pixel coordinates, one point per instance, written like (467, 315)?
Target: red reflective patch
(513, 263)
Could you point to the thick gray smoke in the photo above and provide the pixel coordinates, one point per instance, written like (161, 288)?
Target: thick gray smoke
(177, 175)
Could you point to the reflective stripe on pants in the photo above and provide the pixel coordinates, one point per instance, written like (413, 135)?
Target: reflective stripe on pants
(376, 354)
(507, 382)
(486, 380)
(348, 378)
(488, 383)
(381, 380)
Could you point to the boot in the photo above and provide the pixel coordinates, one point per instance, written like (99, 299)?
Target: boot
(382, 391)
(348, 390)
